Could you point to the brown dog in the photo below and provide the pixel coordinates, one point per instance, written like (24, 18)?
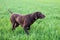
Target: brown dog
(25, 20)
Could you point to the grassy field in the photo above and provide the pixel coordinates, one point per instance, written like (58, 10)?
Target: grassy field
(42, 29)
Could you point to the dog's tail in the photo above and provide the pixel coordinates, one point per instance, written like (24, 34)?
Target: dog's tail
(10, 11)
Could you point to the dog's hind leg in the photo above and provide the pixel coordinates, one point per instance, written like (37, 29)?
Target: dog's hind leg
(14, 26)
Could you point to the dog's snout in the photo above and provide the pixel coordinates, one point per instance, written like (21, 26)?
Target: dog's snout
(44, 16)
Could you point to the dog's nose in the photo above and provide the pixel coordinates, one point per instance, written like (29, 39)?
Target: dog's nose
(44, 16)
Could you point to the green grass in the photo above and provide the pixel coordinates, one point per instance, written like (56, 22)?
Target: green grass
(42, 29)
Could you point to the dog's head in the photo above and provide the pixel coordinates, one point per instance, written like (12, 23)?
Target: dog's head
(40, 15)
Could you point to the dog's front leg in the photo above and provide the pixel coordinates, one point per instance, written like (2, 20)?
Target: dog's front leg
(25, 29)
(28, 28)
